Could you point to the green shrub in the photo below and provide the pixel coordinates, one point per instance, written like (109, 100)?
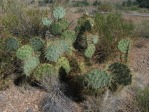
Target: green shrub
(143, 99)
(105, 7)
(143, 3)
(12, 44)
(111, 29)
(24, 52)
(20, 19)
(81, 3)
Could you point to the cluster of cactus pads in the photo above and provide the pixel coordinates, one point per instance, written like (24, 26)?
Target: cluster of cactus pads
(45, 56)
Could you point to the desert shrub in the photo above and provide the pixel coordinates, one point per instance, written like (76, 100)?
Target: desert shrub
(143, 99)
(127, 3)
(81, 3)
(106, 7)
(111, 29)
(143, 29)
(97, 3)
(20, 20)
(143, 3)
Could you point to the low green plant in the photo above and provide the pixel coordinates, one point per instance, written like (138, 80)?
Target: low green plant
(12, 44)
(96, 79)
(56, 28)
(44, 70)
(106, 7)
(24, 52)
(30, 64)
(69, 35)
(59, 12)
(120, 73)
(36, 43)
(81, 3)
(89, 52)
(64, 63)
(143, 99)
(124, 46)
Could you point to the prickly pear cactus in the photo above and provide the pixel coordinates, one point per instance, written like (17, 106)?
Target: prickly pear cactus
(24, 52)
(124, 45)
(81, 43)
(86, 23)
(95, 39)
(92, 39)
(59, 12)
(56, 28)
(69, 35)
(64, 23)
(96, 79)
(46, 21)
(12, 44)
(89, 52)
(30, 64)
(120, 73)
(64, 63)
(36, 43)
(55, 50)
(44, 70)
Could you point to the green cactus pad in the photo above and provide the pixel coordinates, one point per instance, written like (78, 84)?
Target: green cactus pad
(36, 43)
(96, 79)
(95, 39)
(92, 39)
(30, 65)
(123, 45)
(12, 44)
(56, 28)
(24, 52)
(120, 73)
(46, 21)
(64, 23)
(69, 35)
(45, 70)
(55, 50)
(64, 63)
(89, 52)
(58, 12)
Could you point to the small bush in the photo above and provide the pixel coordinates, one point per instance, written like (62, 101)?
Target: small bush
(143, 99)
(81, 3)
(20, 20)
(143, 3)
(106, 7)
(111, 28)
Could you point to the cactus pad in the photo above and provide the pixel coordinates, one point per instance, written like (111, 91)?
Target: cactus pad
(64, 23)
(58, 12)
(36, 43)
(123, 45)
(56, 28)
(30, 65)
(120, 73)
(24, 52)
(96, 79)
(69, 35)
(55, 50)
(46, 21)
(89, 52)
(12, 44)
(44, 70)
(64, 63)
